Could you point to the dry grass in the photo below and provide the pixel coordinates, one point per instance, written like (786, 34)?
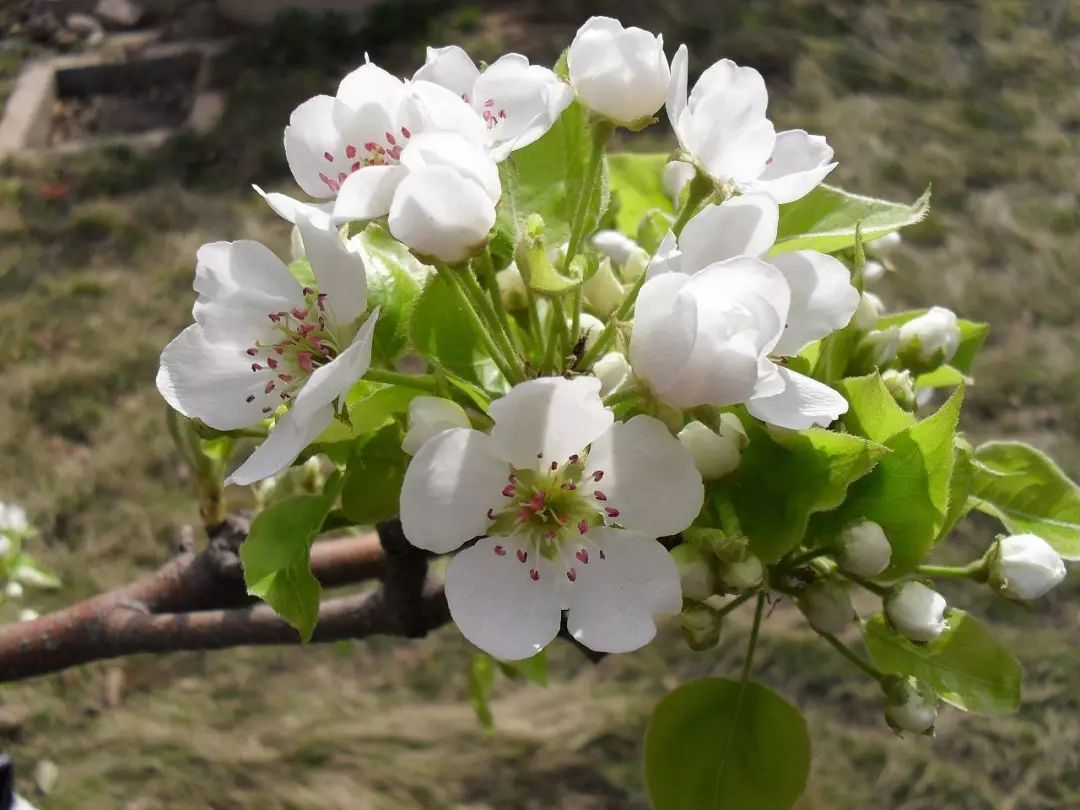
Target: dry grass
(978, 98)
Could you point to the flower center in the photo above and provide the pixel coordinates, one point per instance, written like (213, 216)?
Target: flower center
(553, 509)
(374, 153)
(492, 117)
(304, 345)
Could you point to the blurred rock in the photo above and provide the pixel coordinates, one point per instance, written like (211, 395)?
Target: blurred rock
(119, 13)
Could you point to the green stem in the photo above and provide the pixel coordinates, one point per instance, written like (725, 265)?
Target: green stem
(701, 188)
(425, 382)
(601, 132)
(973, 571)
(752, 644)
(862, 664)
(873, 587)
(492, 346)
(795, 562)
(627, 394)
(498, 328)
(491, 281)
(734, 603)
(560, 330)
(725, 511)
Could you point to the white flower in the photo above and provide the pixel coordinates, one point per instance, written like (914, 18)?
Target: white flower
(603, 291)
(712, 313)
(827, 607)
(613, 372)
(261, 341)
(440, 198)
(13, 590)
(512, 288)
(910, 705)
(716, 454)
(865, 550)
(365, 127)
(930, 339)
(26, 615)
(5, 545)
(621, 74)
(696, 576)
(618, 247)
(517, 102)
(916, 611)
(13, 518)
(430, 416)
(744, 574)
(722, 125)
(1025, 566)
(568, 504)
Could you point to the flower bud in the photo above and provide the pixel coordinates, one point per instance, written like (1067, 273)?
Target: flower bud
(13, 518)
(636, 265)
(744, 574)
(1024, 566)
(916, 611)
(910, 705)
(5, 545)
(879, 347)
(873, 271)
(700, 626)
(695, 572)
(674, 177)
(13, 590)
(930, 340)
(296, 245)
(613, 372)
(603, 292)
(430, 416)
(28, 615)
(901, 384)
(590, 328)
(827, 607)
(715, 454)
(620, 74)
(512, 288)
(868, 312)
(615, 245)
(865, 550)
(884, 246)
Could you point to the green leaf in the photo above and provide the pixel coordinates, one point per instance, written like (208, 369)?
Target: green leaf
(967, 666)
(369, 406)
(718, 744)
(276, 559)
(441, 331)
(27, 572)
(481, 682)
(534, 669)
(372, 485)
(826, 218)
(545, 178)
(972, 336)
(959, 485)
(872, 411)
(908, 493)
(395, 278)
(1024, 489)
(817, 467)
(635, 183)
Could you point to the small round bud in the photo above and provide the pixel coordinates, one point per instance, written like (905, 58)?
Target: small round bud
(603, 292)
(916, 611)
(910, 705)
(613, 372)
(430, 416)
(28, 615)
(13, 590)
(716, 454)
(901, 384)
(674, 177)
(1024, 566)
(827, 607)
(13, 518)
(879, 347)
(868, 312)
(695, 572)
(873, 271)
(590, 328)
(930, 340)
(744, 574)
(865, 550)
(884, 246)
(512, 288)
(615, 245)
(5, 545)
(700, 626)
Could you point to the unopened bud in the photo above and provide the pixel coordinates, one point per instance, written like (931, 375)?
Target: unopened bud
(430, 416)
(28, 615)
(13, 590)
(716, 454)
(603, 292)
(700, 626)
(613, 372)
(695, 572)
(512, 288)
(884, 246)
(930, 340)
(868, 312)
(827, 607)
(901, 384)
(873, 271)
(865, 550)
(744, 574)
(910, 705)
(5, 545)
(878, 348)
(590, 328)
(1024, 566)
(917, 611)
(615, 245)
(674, 177)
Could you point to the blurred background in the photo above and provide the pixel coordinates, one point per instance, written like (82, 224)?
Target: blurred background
(97, 244)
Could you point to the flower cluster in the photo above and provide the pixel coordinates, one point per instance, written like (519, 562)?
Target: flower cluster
(611, 412)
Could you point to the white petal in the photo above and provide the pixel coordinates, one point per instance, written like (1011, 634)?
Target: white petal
(798, 164)
(665, 326)
(741, 226)
(440, 110)
(288, 438)
(823, 299)
(753, 285)
(212, 382)
(804, 403)
(329, 382)
(368, 90)
(667, 259)
(310, 135)
(451, 68)
(450, 485)
(739, 87)
(430, 416)
(548, 419)
(648, 476)
(440, 213)
(290, 209)
(614, 601)
(731, 148)
(676, 93)
(367, 193)
(451, 149)
(518, 101)
(339, 272)
(497, 605)
(239, 285)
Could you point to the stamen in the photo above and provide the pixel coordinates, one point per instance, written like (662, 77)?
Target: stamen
(583, 526)
(274, 317)
(328, 156)
(350, 151)
(308, 291)
(522, 555)
(250, 398)
(490, 514)
(554, 466)
(603, 556)
(596, 476)
(612, 512)
(285, 377)
(534, 575)
(299, 314)
(267, 409)
(571, 574)
(269, 387)
(583, 556)
(600, 496)
(390, 139)
(405, 133)
(508, 490)
(500, 551)
(256, 367)
(574, 458)
(270, 361)
(252, 352)
(304, 359)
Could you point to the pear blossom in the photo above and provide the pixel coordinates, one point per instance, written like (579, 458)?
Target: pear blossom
(590, 328)
(716, 453)
(262, 341)
(439, 199)
(517, 102)
(917, 611)
(603, 291)
(13, 518)
(1024, 566)
(910, 705)
(428, 417)
(827, 607)
(365, 126)
(722, 126)
(743, 574)
(696, 576)
(712, 313)
(613, 372)
(865, 550)
(930, 339)
(618, 73)
(567, 504)
(618, 247)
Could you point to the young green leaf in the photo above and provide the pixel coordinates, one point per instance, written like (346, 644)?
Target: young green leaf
(372, 484)
(718, 744)
(394, 278)
(1024, 489)
(826, 218)
(967, 665)
(481, 682)
(276, 559)
(872, 411)
(635, 183)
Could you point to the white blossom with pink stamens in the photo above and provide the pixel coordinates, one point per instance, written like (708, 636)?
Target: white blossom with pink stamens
(568, 504)
(261, 341)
